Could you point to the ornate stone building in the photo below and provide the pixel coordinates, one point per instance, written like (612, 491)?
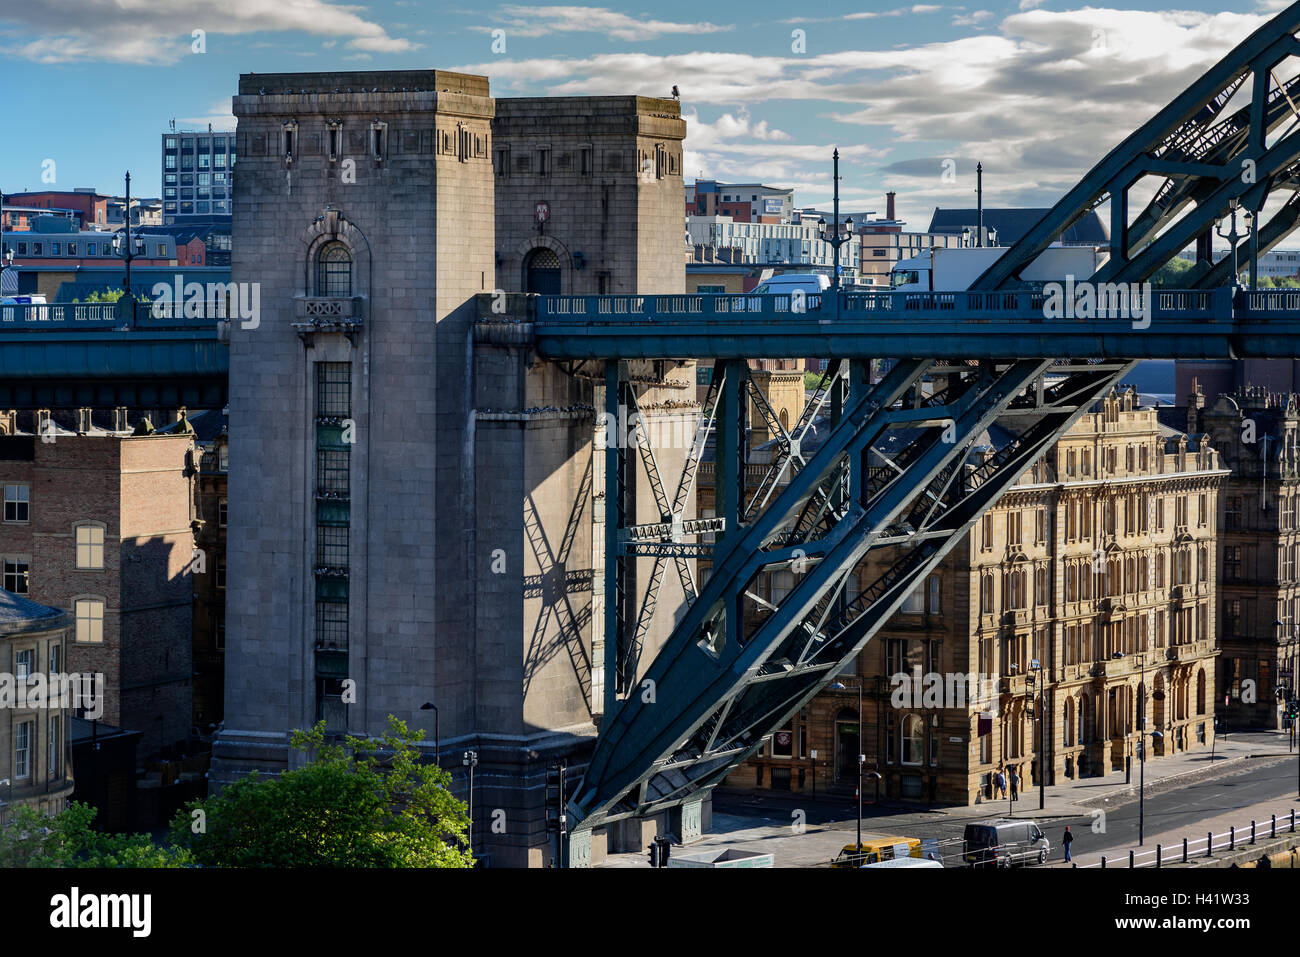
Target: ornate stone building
(1098, 566)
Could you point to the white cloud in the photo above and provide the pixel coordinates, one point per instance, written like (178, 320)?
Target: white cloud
(219, 115)
(733, 146)
(1039, 101)
(971, 19)
(160, 31)
(533, 21)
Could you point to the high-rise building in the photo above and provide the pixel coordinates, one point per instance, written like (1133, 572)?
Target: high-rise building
(197, 174)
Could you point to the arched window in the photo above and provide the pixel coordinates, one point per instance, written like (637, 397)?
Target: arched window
(334, 271)
(542, 269)
(913, 739)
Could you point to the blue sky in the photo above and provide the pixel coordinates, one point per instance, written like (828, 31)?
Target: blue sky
(1037, 90)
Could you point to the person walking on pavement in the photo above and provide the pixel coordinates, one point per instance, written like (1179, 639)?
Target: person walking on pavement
(1066, 841)
(1000, 784)
(1015, 785)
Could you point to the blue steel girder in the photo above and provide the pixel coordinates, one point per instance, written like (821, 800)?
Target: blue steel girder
(715, 699)
(1160, 146)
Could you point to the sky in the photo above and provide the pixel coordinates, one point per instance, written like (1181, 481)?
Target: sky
(1036, 90)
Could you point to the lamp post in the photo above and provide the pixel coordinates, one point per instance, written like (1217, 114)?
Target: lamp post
(122, 246)
(1037, 667)
(1232, 238)
(470, 760)
(437, 752)
(836, 235)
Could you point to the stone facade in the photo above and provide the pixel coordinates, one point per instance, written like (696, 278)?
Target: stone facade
(35, 761)
(411, 503)
(1099, 564)
(1259, 551)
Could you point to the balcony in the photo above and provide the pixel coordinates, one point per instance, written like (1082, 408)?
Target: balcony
(325, 314)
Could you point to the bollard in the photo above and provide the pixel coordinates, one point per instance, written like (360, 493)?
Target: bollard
(1293, 820)
(1273, 833)
(1130, 858)
(1103, 862)
(1252, 832)
(1232, 837)
(1184, 850)
(1209, 844)
(1157, 857)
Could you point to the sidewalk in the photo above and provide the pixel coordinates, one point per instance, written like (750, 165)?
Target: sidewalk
(1076, 798)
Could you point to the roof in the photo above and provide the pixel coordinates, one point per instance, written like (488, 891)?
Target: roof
(1012, 224)
(206, 423)
(19, 615)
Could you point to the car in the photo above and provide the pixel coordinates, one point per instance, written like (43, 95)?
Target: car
(1004, 843)
(877, 849)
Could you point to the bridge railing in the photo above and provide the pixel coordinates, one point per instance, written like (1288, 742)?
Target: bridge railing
(65, 316)
(1123, 302)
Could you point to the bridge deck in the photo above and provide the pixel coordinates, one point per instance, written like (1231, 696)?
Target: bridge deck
(1170, 324)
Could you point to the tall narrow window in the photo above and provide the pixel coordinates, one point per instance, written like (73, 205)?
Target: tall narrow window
(90, 620)
(334, 271)
(90, 546)
(23, 749)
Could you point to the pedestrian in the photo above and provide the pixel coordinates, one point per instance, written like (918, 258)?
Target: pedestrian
(1015, 785)
(1066, 841)
(1000, 784)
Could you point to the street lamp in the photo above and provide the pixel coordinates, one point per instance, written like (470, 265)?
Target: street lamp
(123, 247)
(1232, 238)
(836, 234)
(437, 755)
(470, 760)
(1036, 666)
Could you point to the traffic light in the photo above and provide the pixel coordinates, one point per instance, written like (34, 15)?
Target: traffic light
(665, 849)
(654, 853)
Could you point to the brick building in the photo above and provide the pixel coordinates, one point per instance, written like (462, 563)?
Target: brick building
(99, 524)
(1099, 564)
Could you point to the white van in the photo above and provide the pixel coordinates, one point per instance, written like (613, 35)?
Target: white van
(810, 283)
(906, 862)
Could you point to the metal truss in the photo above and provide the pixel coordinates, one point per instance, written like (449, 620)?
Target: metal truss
(736, 666)
(1211, 161)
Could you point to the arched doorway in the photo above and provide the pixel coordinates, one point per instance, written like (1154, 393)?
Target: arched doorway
(542, 272)
(846, 745)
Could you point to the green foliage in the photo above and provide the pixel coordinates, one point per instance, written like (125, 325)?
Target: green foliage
(811, 380)
(109, 295)
(364, 803)
(67, 840)
(1170, 274)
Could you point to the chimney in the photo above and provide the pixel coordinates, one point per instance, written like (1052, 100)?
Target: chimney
(119, 419)
(1195, 403)
(889, 204)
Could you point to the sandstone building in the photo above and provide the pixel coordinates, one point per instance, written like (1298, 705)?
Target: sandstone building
(1099, 565)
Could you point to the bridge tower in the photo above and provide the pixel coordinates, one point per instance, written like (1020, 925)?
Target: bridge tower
(411, 497)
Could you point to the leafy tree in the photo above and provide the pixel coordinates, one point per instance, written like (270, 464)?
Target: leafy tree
(1171, 273)
(109, 295)
(67, 839)
(364, 803)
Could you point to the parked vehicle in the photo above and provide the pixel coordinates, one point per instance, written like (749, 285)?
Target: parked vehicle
(874, 850)
(1004, 843)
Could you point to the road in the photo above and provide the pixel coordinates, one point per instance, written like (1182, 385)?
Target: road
(1242, 785)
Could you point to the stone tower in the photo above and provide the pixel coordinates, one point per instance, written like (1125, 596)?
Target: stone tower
(411, 491)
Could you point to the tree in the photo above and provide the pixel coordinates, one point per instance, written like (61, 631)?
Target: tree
(364, 803)
(109, 295)
(1173, 273)
(67, 839)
